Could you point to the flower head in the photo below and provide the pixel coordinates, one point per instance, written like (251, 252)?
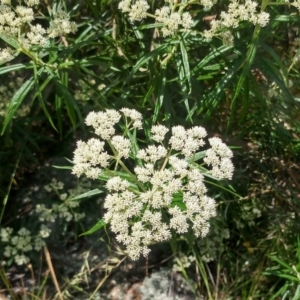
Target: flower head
(165, 191)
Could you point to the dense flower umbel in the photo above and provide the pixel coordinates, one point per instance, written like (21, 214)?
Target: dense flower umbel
(166, 190)
(16, 24)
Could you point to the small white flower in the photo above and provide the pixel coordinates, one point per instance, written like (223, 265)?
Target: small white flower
(125, 5)
(263, 19)
(6, 2)
(117, 184)
(103, 122)
(45, 231)
(134, 115)
(38, 243)
(158, 132)
(5, 234)
(32, 2)
(187, 21)
(21, 259)
(138, 10)
(89, 158)
(6, 54)
(152, 153)
(122, 145)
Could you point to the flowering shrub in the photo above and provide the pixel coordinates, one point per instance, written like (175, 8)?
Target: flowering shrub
(165, 190)
(233, 62)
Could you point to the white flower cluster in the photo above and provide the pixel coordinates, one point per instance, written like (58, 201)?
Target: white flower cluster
(167, 191)
(208, 4)
(296, 4)
(219, 157)
(236, 13)
(171, 19)
(6, 54)
(163, 185)
(22, 242)
(61, 24)
(137, 11)
(90, 157)
(16, 23)
(65, 210)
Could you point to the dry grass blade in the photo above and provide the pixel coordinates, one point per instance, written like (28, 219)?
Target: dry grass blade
(49, 262)
(106, 276)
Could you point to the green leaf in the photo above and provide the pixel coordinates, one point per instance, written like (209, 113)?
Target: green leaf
(17, 99)
(63, 167)
(246, 64)
(145, 59)
(281, 262)
(105, 175)
(184, 76)
(38, 94)
(197, 156)
(173, 242)
(271, 71)
(186, 65)
(213, 97)
(87, 194)
(58, 109)
(100, 224)
(12, 68)
(160, 86)
(10, 41)
(72, 107)
(277, 59)
(209, 57)
(84, 35)
(286, 18)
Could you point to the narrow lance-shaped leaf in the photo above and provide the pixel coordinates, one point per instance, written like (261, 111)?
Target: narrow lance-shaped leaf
(185, 62)
(38, 94)
(87, 194)
(145, 59)
(161, 83)
(17, 100)
(246, 68)
(10, 41)
(100, 224)
(8, 69)
(183, 82)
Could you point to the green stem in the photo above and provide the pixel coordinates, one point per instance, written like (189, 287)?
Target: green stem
(166, 160)
(169, 56)
(132, 176)
(9, 188)
(203, 272)
(119, 161)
